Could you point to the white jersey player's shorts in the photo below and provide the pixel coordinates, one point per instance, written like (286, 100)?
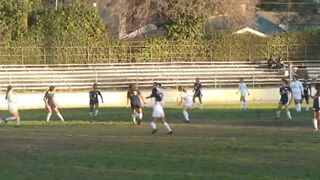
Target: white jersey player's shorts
(158, 111)
(12, 108)
(296, 95)
(188, 105)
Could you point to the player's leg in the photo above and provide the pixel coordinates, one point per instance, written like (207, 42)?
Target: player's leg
(278, 113)
(140, 115)
(153, 125)
(18, 118)
(298, 104)
(49, 109)
(315, 120)
(166, 125)
(200, 101)
(288, 112)
(91, 110)
(56, 110)
(96, 109)
(185, 112)
(307, 102)
(133, 115)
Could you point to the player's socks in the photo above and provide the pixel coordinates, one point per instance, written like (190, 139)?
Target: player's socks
(168, 127)
(48, 116)
(315, 124)
(278, 113)
(154, 127)
(289, 115)
(96, 112)
(11, 118)
(134, 118)
(18, 121)
(186, 115)
(298, 107)
(245, 105)
(60, 116)
(241, 105)
(140, 116)
(307, 107)
(91, 114)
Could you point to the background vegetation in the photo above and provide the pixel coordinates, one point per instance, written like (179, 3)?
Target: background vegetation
(75, 33)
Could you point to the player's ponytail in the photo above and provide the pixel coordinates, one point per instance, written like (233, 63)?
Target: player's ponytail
(8, 90)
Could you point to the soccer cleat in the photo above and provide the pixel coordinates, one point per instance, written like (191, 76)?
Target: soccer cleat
(170, 133)
(186, 121)
(139, 121)
(154, 131)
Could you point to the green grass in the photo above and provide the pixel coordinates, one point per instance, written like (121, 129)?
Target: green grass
(222, 142)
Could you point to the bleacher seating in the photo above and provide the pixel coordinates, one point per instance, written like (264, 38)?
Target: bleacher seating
(118, 76)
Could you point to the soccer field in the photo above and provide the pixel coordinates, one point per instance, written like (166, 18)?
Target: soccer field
(221, 142)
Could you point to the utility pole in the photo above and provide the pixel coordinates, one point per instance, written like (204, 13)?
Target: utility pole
(56, 5)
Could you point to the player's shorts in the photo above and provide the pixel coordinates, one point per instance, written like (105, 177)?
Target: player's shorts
(316, 108)
(136, 105)
(158, 111)
(93, 102)
(296, 96)
(189, 105)
(12, 108)
(52, 105)
(306, 97)
(197, 94)
(284, 101)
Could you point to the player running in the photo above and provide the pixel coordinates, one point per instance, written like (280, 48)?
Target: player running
(307, 92)
(297, 92)
(94, 101)
(134, 98)
(244, 92)
(12, 107)
(197, 92)
(284, 91)
(158, 112)
(50, 103)
(316, 107)
(184, 98)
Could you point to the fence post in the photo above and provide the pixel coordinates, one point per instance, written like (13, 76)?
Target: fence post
(44, 55)
(130, 53)
(290, 72)
(253, 80)
(215, 80)
(109, 53)
(151, 54)
(22, 55)
(287, 52)
(88, 54)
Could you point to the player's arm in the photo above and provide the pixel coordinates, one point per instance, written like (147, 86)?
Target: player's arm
(128, 99)
(310, 89)
(248, 90)
(101, 97)
(45, 99)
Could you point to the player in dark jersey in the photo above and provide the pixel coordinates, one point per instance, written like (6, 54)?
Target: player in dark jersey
(284, 91)
(316, 107)
(306, 92)
(50, 103)
(134, 98)
(94, 100)
(197, 92)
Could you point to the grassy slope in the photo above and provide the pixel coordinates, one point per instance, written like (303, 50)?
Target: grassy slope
(222, 143)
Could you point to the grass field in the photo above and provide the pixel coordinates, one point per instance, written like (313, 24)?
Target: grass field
(222, 142)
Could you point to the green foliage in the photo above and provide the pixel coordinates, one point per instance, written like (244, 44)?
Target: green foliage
(185, 27)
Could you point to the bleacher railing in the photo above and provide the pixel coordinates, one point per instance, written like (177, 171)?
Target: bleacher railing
(131, 54)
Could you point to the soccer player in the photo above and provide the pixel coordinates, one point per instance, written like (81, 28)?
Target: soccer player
(184, 98)
(50, 103)
(12, 107)
(284, 91)
(244, 92)
(297, 92)
(307, 92)
(316, 107)
(197, 92)
(158, 112)
(94, 100)
(134, 98)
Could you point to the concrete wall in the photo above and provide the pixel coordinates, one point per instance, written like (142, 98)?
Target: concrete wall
(81, 99)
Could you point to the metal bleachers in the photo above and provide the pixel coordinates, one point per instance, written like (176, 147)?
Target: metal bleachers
(119, 75)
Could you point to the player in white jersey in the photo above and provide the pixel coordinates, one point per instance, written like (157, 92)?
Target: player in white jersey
(12, 106)
(158, 112)
(297, 92)
(244, 92)
(187, 101)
